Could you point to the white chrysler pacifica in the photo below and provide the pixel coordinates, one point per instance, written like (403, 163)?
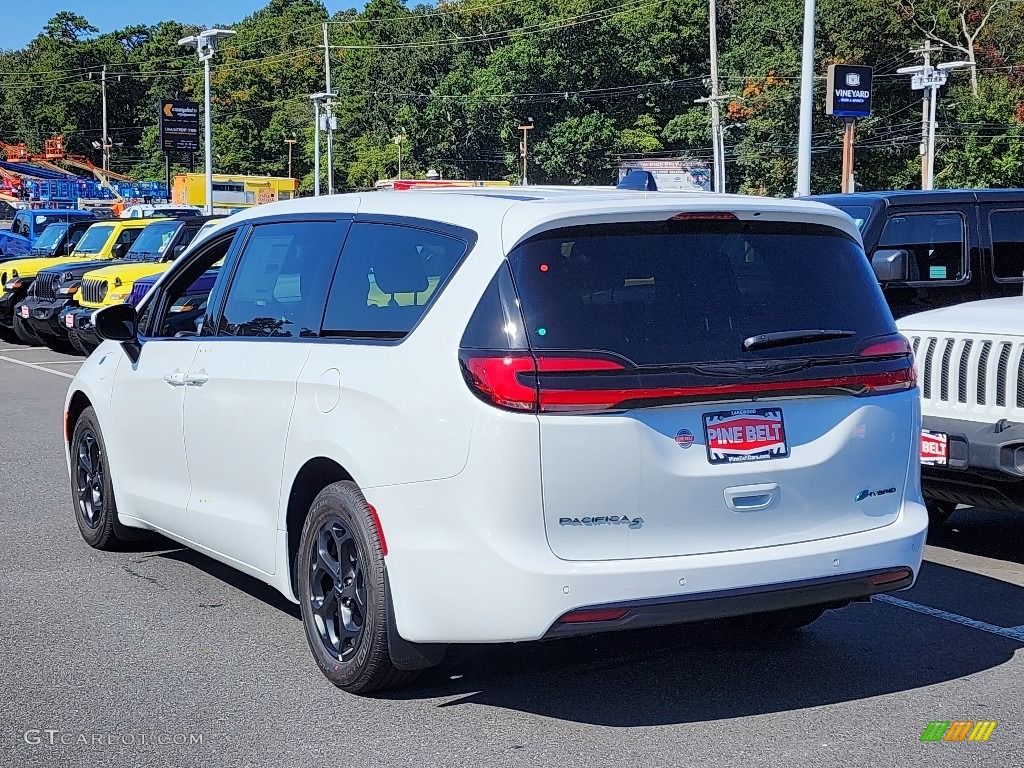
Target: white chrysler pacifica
(481, 416)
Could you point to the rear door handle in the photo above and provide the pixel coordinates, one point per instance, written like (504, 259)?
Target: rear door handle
(175, 378)
(196, 379)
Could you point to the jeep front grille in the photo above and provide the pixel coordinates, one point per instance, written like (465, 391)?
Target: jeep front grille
(45, 286)
(93, 291)
(960, 372)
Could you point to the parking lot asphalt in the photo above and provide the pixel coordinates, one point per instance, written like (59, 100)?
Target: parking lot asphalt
(160, 656)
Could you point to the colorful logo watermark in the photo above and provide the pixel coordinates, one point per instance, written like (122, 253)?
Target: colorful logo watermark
(958, 730)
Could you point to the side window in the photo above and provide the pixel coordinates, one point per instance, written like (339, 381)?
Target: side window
(127, 237)
(935, 242)
(20, 226)
(73, 239)
(1007, 244)
(181, 309)
(387, 277)
(280, 284)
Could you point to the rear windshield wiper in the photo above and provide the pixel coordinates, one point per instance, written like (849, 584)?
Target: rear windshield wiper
(788, 338)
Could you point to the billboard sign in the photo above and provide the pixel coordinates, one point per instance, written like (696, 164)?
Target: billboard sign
(671, 175)
(849, 91)
(179, 126)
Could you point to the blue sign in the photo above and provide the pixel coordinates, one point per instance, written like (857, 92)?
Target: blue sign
(849, 91)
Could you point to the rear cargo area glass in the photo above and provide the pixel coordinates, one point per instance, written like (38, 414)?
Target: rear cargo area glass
(677, 292)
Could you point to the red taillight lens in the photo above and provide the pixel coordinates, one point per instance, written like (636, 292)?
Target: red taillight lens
(705, 216)
(496, 380)
(593, 614)
(904, 378)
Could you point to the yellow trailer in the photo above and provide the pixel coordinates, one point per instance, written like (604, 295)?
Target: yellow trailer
(231, 192)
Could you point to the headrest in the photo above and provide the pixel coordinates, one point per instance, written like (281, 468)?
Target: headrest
(400, 271)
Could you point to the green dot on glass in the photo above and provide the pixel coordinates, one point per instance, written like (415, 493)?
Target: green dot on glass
(542, 331)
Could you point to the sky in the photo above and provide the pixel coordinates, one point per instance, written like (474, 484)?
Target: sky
(26, 20)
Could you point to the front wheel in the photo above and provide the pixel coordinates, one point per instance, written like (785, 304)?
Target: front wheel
(343, 592)
(25, 333)
(92, 492)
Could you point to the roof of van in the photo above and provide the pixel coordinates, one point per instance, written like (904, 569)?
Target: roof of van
(521, 211)
(901, 197)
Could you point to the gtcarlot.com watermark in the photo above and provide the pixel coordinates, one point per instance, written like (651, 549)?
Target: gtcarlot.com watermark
(56, 737)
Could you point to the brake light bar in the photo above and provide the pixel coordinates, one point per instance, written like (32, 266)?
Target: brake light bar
(516, 381)
(705, 216)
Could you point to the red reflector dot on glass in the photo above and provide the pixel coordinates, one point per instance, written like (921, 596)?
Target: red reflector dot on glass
(544, 267)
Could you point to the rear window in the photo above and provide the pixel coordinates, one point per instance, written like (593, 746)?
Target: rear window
(665, 293)
(859, 213)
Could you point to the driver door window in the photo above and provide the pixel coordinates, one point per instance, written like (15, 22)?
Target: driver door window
(936, 244)
(183, 305)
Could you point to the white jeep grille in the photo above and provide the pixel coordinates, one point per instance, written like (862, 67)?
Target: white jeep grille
(974, 375)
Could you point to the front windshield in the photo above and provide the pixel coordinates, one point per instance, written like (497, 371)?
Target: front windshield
(152, 243)
(859, 213)
(51, 236)
(94, 240)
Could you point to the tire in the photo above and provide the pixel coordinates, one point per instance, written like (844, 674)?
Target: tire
(938, 513)
(787, 620)
(8, 335)
(92, 493)
(343, 595)
(25, 333)
(77, 343)
(57, 344)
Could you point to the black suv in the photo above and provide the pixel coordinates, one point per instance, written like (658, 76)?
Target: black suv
(936, 248)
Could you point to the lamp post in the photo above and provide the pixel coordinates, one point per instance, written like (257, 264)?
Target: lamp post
(205, 44)
(803, 153)
(930, 78)
(290, 141)
(320, 99)
(398, 143)
(525, 127)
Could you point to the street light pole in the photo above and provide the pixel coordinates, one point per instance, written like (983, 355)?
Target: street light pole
(316, 147)
(206, 45)
(321, 100)
(106, 139)
(803, 157)
(290, 141)
(398, 143)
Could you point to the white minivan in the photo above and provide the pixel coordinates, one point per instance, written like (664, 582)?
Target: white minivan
(483, 415)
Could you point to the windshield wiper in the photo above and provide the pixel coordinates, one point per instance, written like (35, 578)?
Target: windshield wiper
(789, 338)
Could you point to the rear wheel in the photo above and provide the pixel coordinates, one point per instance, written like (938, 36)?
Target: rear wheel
(25, 333)
(343, 593)
(938, 513)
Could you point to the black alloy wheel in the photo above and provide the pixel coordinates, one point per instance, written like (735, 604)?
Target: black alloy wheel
(89, 477)
(342, 586)
(337, 589)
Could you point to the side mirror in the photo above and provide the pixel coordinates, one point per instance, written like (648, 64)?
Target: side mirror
(119, 323)
(118, 251)
(891, 265)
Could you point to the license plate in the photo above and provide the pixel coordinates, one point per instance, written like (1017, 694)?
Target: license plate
(69, 321)
(745, 434)
(934, 448)
(24, 312)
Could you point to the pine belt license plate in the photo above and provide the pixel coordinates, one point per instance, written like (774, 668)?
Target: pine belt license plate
(934, 448)
(745, 434)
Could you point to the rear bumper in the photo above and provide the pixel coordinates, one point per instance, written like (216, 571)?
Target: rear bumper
(981, 470)
(465, 567)
(835, 591)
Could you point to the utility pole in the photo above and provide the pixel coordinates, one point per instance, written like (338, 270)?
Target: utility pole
(929, 79)
(106, 139)
(290, 141)
(525, 128)
(803, 156)
(717, 145)
(398, 143)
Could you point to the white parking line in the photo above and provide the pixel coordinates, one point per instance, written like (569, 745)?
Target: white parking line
(1011, 633)
(37, 367)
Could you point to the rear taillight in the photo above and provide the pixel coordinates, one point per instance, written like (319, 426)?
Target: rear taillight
(585, 615)
(705, 216)
(904, 377)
